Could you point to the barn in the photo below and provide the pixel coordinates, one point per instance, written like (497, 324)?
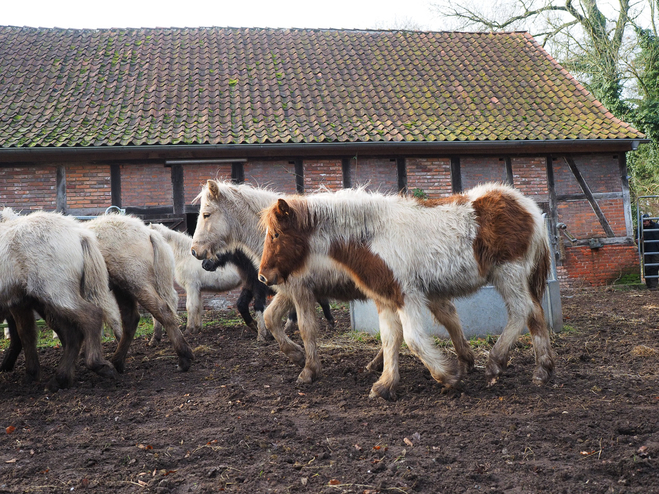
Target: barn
(140, 118)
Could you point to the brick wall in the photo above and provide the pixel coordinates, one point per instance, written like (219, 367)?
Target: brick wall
(146, 185)
(195, 176)
(584, 266)
(376, 174)
(530, 177)
(29, 187)
(325, 173)
(477, 170)
(433, 176)
(277, 175)
(88, 186)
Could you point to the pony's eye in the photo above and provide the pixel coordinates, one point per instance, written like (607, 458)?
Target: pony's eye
(276, 235)
(206, 215)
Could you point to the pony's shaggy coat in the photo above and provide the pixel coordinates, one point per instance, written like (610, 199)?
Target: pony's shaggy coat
(229, 218)
(141, 268)
(194, 279)
(52, 264)
(405, 253)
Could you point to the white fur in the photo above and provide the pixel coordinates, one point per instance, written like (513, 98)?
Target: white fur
(193, 278)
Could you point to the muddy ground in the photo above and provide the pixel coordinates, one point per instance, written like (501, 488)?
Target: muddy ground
(237, 422)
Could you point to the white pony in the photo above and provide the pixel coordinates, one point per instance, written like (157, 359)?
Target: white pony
(52, 264)
(229, 217)
(406, 253)
(141, 269)
(193, 278)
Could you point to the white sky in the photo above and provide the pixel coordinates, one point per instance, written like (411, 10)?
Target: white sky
(344, 14)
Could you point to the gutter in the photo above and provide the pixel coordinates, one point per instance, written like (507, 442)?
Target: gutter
(390, 149)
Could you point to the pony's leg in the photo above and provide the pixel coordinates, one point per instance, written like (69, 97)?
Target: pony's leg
(273, 316)
(130, 318)
(307, 322)
(150, 300)
(391, 334)
(15, 346)
(377, 364)
(446, 315)
(72, 338)
(195, 309)
(242, 305)
(423, 345)
(544, 356)
(327, 312)
(260, 295)
(157, 332)
(512, 286)
(27, 333)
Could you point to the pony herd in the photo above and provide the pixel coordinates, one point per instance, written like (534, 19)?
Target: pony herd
(406, 254)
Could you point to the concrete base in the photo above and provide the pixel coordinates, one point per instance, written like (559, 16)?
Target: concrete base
(481, 314)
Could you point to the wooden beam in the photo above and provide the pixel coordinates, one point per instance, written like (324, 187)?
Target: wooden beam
(299, 176)
(115, 185)
(596, 195)
(401, 172)
(178, 189)
(589, 195)
(345, 168)
(456, 175)
(60, 202)
(626, 197)
(237, 172)
(552, 204)
(509, 170)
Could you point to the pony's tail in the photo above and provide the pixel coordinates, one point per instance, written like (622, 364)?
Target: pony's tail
(95, 286)
(540, 271)
(164, 266)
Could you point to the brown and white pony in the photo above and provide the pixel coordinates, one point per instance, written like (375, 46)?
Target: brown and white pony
(406, 253)
(52, 264)
(193, 278)
(229, 217)
(141, 270)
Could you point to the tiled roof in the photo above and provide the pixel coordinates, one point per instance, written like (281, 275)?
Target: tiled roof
(230, 86)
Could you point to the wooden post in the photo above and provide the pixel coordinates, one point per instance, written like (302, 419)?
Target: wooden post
(115, 185)
(626, 198)
(552, 203)
(60, 202)
(299, 176)
(345, 169)
(589, 195)
(237, 172)
(178, 189)
(456, 175)
(509, 171)
(401, 171)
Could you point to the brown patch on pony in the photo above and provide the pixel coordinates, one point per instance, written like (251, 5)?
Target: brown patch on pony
(370, 270)
(505, 230)
(286, 246)
(457, 199)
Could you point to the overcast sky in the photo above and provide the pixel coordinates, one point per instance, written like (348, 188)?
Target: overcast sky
(344, 14)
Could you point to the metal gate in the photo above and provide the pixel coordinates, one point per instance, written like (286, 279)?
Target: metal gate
(647, 208)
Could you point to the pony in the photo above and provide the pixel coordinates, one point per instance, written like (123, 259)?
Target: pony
(254, 289)
(53, 265)
(193, 278)
(229, 217)
(141, 266)
(405, 253)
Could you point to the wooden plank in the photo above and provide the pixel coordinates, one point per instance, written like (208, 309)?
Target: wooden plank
(401, 172)
(237, 172)
(509, 170)
(60, 201)
(345, 169)
(178, 189)
(456, 175)
(626, 196)
(589, 195)
(299, 176)
(552, 204)
(115, 185)
(596, 195)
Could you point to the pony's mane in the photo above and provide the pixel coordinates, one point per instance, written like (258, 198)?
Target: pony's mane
(241, 195)
(8, 214)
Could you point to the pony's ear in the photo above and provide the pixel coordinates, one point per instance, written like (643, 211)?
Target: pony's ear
(213, 189)
(282, 209)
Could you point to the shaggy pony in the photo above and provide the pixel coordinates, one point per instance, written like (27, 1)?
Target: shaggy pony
(405, 253)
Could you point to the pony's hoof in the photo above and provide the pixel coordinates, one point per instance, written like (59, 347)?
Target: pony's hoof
(374, 366)
(298, 358)
(493, 370)
(307, 376)
(466, 365)
(154, 341)
(107, 371)
(381, 391)
(119, 365)
(184, 364)
(253, 327)
(542, 375)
